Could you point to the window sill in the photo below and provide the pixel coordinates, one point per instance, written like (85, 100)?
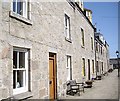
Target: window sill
(20, 18)
(69, 40)
(23, 95)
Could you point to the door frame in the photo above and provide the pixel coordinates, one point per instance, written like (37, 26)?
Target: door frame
(53, 57)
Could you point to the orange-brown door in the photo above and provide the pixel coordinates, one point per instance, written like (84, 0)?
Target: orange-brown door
(52, 75)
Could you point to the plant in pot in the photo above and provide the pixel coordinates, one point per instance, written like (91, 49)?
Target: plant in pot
(89, 83)
(99, 77)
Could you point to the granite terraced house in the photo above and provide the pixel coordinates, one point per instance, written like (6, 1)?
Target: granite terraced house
(101, 54)
(42, 46)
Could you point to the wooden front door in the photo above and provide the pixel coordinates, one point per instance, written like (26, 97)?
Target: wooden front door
(52, 75)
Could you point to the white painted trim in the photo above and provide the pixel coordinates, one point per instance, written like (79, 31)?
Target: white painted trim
(12, 5)
(65, 13)
(52, 50)
(68, 14)
(26, 10)
(25, 75)
(68, 54)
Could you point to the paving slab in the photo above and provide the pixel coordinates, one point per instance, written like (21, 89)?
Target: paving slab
(107, 88)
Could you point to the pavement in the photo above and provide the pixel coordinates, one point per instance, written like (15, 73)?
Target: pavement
(107, 88)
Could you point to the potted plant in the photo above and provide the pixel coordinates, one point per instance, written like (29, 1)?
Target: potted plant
(99, 77)
(89, 83)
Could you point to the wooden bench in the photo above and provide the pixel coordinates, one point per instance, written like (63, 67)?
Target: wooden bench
(74, 88)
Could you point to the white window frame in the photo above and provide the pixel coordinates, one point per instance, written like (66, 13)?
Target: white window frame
(69, 68)
(67, 27)
(25, 7)
(25, 72)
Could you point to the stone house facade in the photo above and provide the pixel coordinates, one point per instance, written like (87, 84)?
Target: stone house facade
(101, 54)
(42, 46)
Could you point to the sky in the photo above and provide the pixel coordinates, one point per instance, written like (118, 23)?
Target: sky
(105, 15)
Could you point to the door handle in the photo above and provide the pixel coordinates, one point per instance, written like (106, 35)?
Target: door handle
(50, 82)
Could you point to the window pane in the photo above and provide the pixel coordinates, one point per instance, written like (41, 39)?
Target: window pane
(14, 5)
(20, 8)
(66, 20)
(97, 68)
(14, 59)
(67, 27)
(21, 59)
(19, 79)
(14, 79)
(92, 43)
(82, 31)
(20, 74)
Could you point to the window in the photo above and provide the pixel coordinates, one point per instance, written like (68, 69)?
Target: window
(82, 31)
(69, 68)
(20, 70)
(93, 66)
(91, 43)
(83, 67)
(101, 49)
(102, 67)
(21, 7)
(67, 27)
(96, 46)
(97, 68)
(87, 13)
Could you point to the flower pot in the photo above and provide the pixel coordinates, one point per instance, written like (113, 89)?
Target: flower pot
(88, 82)
(99, 77)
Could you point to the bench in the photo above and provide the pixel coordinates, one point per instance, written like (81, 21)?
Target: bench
(74, 88)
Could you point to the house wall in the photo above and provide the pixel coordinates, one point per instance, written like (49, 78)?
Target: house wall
(106, 58)
(0, 48)
(102, 58)
(45, 35)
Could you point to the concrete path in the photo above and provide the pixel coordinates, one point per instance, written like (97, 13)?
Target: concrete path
(107, 88)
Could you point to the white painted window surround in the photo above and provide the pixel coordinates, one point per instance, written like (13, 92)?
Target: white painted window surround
(21, 7)
(20, 70)
(67, 27)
